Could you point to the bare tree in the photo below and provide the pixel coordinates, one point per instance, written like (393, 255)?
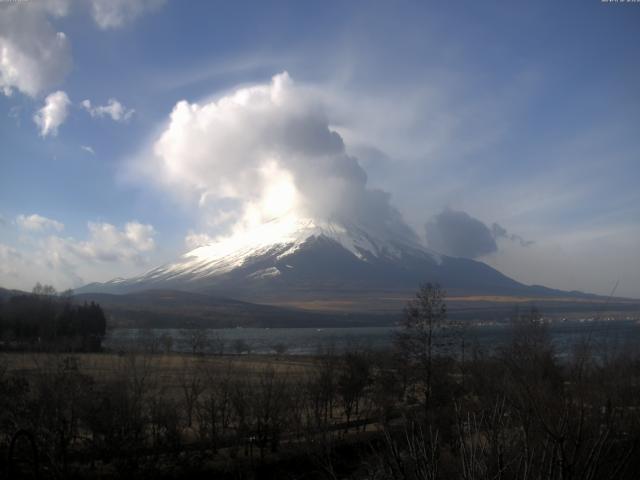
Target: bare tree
(353, 378)
(408, 454)
(148, 340)
(197, 339)
(269, 408)
(192, 385)
(166, 341)
(214, 411)
(425, 328)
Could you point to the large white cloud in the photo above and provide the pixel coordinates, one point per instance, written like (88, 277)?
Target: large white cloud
(53, 113)
(34, 56)
(264, 151)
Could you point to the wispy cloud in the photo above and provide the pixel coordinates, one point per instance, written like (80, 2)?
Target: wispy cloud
(110, 14)
(202, 73)
(88, 149)
(499, 232)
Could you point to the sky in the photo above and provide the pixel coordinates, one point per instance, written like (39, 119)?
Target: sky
(134, 130)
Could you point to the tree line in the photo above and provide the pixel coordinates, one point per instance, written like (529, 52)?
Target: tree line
(47, 319)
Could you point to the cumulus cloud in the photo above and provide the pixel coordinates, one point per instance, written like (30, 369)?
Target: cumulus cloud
(34, 57)
(266, 151)
(116, 13)
(108, 244)
(53, 113)
(65, 262)
(113, 109)
(38, 223)
(458, 234)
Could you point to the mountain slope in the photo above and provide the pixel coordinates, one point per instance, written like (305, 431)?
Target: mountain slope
(176, 309)
(291, 259)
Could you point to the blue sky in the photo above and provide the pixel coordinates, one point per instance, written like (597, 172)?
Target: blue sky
(524, 114)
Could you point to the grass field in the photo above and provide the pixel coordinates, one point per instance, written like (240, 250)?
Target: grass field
(170, 368)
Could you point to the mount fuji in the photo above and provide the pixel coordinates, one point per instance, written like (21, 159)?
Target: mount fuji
(309, 263)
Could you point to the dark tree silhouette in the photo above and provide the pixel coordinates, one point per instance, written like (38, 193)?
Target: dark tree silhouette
(45, 318)
(425, 328)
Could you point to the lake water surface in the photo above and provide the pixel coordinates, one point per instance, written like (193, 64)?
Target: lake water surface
(604, 335)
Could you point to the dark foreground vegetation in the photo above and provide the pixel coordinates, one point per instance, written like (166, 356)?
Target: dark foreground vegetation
(46, 320)
(433, 408)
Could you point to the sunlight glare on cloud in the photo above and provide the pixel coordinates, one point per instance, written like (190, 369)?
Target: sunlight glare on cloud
(270, 149)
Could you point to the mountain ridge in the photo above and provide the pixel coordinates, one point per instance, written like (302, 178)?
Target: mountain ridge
(291, 258)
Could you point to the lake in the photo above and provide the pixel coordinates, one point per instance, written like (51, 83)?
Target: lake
(300, 341)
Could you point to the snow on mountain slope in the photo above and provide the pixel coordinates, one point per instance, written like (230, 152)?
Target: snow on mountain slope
(281, 237)
(290, 256)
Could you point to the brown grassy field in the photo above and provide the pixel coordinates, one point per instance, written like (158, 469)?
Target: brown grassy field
(168, 367)
(472, 306)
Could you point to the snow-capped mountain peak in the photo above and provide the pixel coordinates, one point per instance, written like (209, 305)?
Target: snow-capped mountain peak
(282, 237)
(291, 256)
